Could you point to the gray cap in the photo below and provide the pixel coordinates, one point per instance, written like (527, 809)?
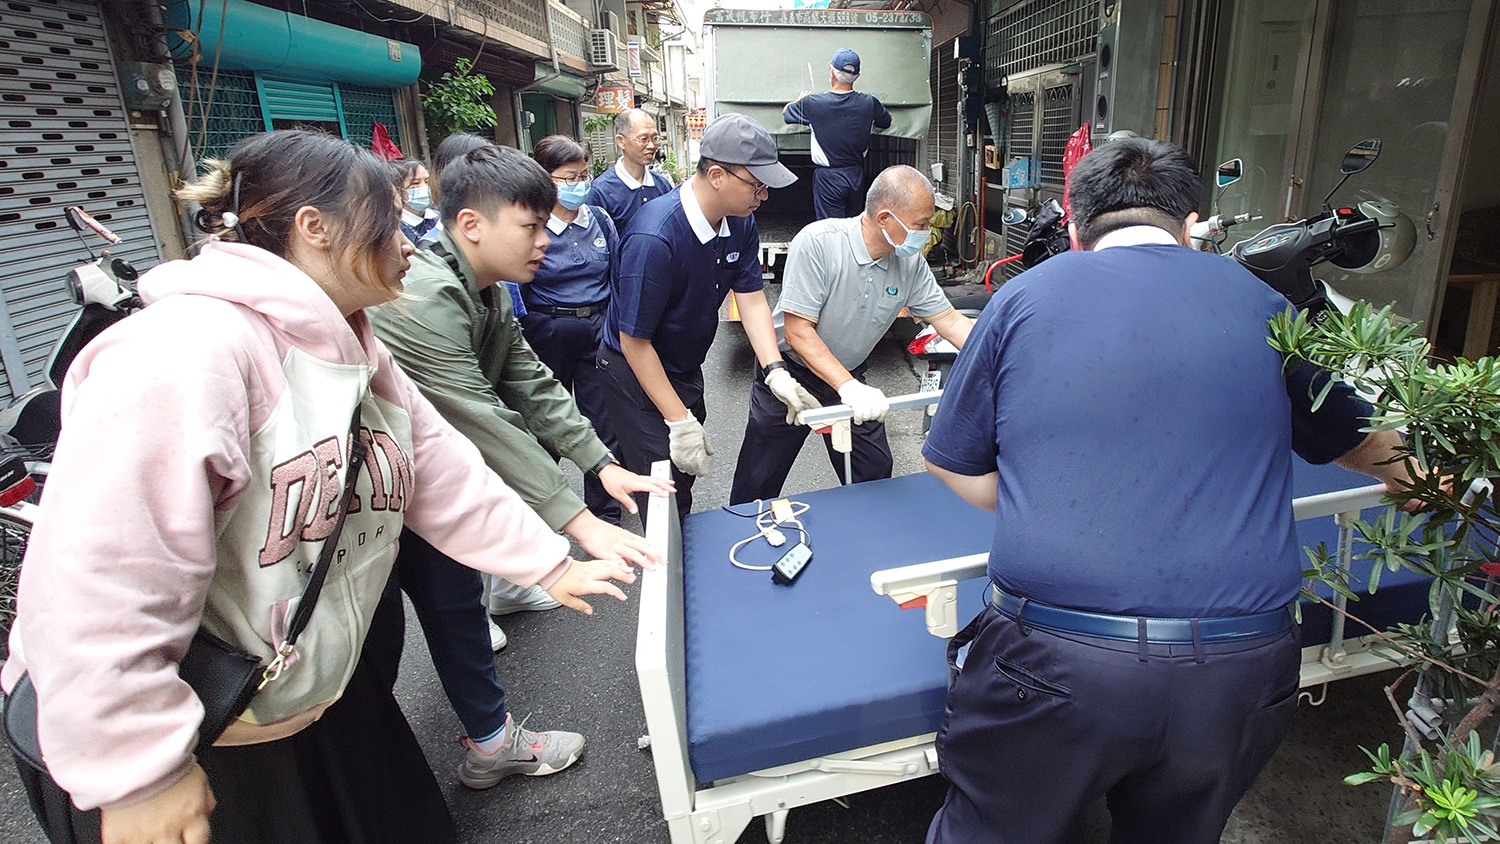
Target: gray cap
(736, 139)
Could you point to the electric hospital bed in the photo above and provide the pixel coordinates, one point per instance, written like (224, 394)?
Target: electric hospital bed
(760, 698)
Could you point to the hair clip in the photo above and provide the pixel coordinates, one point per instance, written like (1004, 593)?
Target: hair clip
(230, 218)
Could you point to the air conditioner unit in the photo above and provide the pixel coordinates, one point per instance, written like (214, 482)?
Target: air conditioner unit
(604, 50)
(610, 21)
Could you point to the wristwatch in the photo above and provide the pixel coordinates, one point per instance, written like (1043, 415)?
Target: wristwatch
(773, 365)
(609, 458)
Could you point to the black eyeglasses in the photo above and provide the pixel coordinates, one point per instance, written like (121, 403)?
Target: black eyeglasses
(757, 186)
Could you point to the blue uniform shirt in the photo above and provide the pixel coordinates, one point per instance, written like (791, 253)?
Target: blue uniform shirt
(621, 196)
(578, 264)
(841, 124)
(1142, 430)
(675, 271)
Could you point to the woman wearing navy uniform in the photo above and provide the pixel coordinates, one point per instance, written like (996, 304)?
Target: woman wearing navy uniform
(565, 302)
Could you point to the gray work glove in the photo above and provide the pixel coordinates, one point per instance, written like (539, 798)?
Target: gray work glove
(791, 393)
(688, 446)
(868, 403)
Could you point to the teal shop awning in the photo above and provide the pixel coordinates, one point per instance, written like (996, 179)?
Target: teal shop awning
(565, 86)
(266, 40)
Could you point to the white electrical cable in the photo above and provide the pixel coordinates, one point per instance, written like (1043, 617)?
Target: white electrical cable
(768, 530)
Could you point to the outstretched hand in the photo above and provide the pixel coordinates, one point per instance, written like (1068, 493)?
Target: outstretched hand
(621, 483)
(611, 543)
(590, 577)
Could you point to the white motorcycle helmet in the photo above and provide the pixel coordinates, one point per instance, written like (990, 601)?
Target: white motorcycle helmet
(1397, 233)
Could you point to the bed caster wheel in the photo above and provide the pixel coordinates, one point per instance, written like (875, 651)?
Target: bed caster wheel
(776, 826)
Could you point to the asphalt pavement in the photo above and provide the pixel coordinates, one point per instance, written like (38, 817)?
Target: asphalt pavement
(570, 671)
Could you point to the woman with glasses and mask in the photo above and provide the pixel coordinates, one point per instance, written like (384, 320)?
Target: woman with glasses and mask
(565, 302)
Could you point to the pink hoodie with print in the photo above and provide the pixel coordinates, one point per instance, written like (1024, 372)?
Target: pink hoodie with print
(202, 455)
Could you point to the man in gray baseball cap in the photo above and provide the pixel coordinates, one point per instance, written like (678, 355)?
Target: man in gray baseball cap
(681, 255)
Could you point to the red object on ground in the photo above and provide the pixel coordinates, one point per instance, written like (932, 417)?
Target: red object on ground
(17, 493)
(382, 145)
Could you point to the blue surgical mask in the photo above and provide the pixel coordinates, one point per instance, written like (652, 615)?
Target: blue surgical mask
(571, 196)
(418, 199)
(912, 245)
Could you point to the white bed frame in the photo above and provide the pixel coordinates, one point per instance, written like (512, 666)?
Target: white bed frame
(717, 813)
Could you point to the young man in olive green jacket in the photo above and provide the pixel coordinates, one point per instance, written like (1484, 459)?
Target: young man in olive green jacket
(455, 333)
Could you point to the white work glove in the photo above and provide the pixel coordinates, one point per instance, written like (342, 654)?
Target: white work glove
(688, 446)
(868, 403)
(791, 393)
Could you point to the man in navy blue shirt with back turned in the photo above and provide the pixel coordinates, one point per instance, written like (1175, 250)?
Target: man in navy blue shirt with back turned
(1119, 410)
(684, 252)
(841, 121)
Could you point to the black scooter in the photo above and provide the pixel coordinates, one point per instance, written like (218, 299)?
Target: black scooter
(1283, 255)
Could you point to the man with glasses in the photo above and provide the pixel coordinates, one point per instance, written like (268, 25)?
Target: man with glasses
(682, 254)
(846, 281)
(841, 120)
(624, 188)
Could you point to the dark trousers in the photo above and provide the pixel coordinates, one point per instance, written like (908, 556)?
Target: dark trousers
(639, 428)
(838, 191)
(1039, 725)
(568, 345)
(449, 600)
(355, 776)
(771, 446)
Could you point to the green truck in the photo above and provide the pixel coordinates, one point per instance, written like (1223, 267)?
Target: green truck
(756, 61)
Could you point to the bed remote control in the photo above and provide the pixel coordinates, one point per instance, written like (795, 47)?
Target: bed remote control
(792, 563)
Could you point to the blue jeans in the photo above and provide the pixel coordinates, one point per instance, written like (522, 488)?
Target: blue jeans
(448, 598)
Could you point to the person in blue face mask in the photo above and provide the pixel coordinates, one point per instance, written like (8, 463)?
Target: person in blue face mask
(565, 301)
(419, 220)
(846, 281)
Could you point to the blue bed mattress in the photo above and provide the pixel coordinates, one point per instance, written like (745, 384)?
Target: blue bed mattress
(777, 674)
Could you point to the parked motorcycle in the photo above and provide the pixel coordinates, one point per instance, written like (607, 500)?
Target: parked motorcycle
(103, 289)
(1371, 236)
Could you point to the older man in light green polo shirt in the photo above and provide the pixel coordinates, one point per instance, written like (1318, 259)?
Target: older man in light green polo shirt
(845, 282)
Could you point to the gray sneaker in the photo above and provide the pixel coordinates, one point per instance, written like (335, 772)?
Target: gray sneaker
(506, 598)
(524, 752)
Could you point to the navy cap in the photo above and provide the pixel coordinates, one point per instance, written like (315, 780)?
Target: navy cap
(846, 60)
(736, 139)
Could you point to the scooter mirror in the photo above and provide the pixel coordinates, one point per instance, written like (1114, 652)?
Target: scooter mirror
(1360, 156)
(1229, 172)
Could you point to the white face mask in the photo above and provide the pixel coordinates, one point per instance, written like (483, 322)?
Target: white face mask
(915, 239)
(418, 199)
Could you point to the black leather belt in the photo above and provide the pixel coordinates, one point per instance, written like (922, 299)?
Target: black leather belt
(1129, 628)
(581, 311)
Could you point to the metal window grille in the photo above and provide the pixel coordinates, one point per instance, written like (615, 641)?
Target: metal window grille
(1015, 241)
(234, 114)
(1037, 33)
(1022, 124)
(1057, 125)
(363, 108)
(568, 33)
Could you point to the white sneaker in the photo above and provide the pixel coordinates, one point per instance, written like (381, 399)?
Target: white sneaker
(497, 637)
(506, 598)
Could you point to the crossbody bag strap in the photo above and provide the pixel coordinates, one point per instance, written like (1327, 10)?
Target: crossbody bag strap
(319, 574)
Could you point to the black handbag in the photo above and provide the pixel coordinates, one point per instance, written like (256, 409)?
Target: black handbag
(223, 676)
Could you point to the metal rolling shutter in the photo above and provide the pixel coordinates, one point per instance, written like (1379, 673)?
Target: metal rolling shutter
(65, 142)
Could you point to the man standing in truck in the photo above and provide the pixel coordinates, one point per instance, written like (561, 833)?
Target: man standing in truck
(841, 121)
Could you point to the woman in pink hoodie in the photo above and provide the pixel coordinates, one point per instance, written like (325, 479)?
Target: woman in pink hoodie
(195, 482)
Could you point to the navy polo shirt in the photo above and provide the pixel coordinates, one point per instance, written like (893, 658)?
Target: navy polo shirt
(841, 124)
(579, 257)
(674, 274)
(1142, 430)
(621, 196)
